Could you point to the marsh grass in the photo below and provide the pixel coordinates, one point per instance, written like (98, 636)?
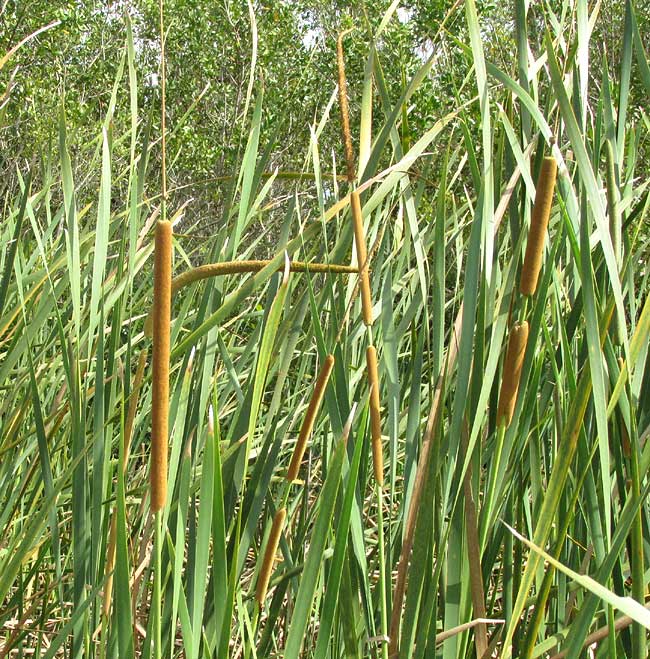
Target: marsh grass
(419, 562)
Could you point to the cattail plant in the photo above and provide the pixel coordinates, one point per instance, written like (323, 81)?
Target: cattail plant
(160, 377)
(362, 258)
(538, 225)
(310, 417)
(269, 556)
(375, 418)
(512, 373)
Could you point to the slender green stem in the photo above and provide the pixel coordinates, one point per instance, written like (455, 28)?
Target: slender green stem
(285, 495)
(611, 633)
(523, 311)
(157, 570)
(382, 574)
(254, 622)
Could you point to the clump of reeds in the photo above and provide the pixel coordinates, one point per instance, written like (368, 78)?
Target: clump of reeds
(538, 226)
(160, 378)
(310, 417)
(269, 556)
(512, 373)
(375, 417)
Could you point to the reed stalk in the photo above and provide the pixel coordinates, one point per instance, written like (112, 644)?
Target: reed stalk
(375, 416)
(157, 585)
(160, 376)
(161, 348)
(381, 548)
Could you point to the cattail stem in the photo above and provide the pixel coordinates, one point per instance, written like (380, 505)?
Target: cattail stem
(511, 373)
(383, 608)
(538, 226)
(236, 267)
(375, 417)
(345, 110)
(160, 377)
(157, 586)
(362, 257)
(269, 556)
(310, 418)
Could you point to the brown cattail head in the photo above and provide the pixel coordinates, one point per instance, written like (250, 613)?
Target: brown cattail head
(269, 556)
(362, 257)
(162, 286)
(345, 111)
(512, 373)
(375, 418)
(538, 225)
(310, 417)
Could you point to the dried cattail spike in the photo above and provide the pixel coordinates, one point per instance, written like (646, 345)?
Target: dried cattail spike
(538, 225)
(362, 257)
(375, 418)
(160, 377)
(512, 373)
(310, 417)
(269, 556)
(345, 111)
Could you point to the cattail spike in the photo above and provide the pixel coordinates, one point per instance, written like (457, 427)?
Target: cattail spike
(269, 556)
(375, 417)
(238, 267)
(345, 110)
(310, 417)
(160, 377)
(512, 372)
(538, 225)
(362, 257)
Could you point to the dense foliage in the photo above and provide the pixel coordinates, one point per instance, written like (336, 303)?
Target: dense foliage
(523, 532)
